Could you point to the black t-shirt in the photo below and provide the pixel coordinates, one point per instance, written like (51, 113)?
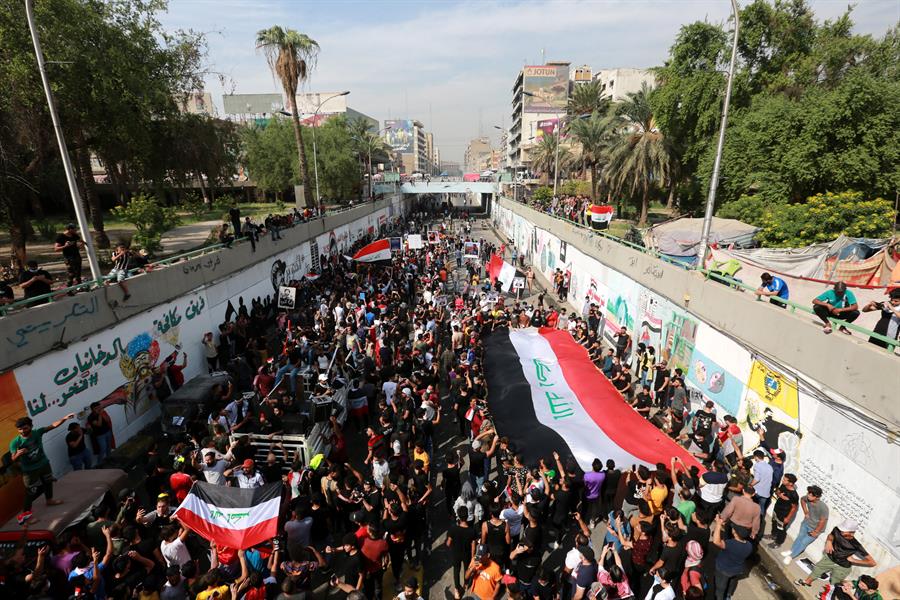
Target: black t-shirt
(461, 541)
(783, 507)
(697, 534)
(672, 557)
(6, 291)
(69, 252)
(624, 383)
(347, 567)
(844, 548)
(273, 472)
(476, 463)
(661, 374)
(611, 483)
(703, 421)
(642, 400)
(80, 448)
(38, 288)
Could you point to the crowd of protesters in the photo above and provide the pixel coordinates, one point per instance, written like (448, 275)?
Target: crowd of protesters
(419, 448)
(571, 208)
(36, 282)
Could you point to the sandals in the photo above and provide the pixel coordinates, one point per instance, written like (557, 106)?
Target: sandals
(844, 330)
(802, 582)
(827, 330)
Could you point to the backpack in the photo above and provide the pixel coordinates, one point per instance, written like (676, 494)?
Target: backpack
(704, 585)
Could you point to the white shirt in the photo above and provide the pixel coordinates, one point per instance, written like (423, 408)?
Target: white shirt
(389, 388)
(175, 553)
(666, 594)
(249, 481)
(514, 519)
(380, 470)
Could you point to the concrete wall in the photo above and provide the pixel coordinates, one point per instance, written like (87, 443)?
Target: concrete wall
(110, 352)
(867, 375)
(825, 400)
(29, 333)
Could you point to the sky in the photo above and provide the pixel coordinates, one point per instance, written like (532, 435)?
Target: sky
(452, 64)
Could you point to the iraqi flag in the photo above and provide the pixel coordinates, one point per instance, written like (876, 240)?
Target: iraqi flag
(376, 251)
(546, 395)
(601, 215)
(494, 265)
(234, 517)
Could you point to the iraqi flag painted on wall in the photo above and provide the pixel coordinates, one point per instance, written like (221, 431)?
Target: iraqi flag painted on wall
(374, 252)
(546, 395)
(233, 517)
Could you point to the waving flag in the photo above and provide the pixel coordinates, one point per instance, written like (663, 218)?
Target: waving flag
(494, 265)
(600, 215)
(546, 395)
(374, 252)
(234, 517)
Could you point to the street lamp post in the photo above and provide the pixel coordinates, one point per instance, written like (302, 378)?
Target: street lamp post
(63, 151)
(714, 183)
(315, 149)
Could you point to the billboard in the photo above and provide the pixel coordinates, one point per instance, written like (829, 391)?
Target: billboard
(545, 127)
(549, 86)
(400, 136)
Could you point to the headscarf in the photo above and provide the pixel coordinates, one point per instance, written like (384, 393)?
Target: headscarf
(694, 553)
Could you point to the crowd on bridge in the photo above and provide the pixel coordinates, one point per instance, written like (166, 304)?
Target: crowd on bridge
(417, 475)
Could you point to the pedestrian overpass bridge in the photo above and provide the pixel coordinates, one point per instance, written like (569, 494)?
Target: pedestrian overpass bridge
(447, 187)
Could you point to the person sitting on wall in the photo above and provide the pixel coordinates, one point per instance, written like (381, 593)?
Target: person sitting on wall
(225, 237)
(775, 288)
(839, 304)
(889, 323)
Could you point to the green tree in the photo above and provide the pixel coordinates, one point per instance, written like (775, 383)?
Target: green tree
(337, 159)
(544, 156)
(640, 157)
(824, 217)
(270, 154)
(115, 74)
(291, 56)
(149, 218)
(594, 135)
(588, 98)
(368, 145)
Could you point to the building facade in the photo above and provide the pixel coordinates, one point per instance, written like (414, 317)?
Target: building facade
(618, 83)
(539, 98)
(314, 108)
(477, 156)
(409, 142)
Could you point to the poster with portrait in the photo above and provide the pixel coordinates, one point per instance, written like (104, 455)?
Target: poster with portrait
(287, 297)
(434, 237)
(471, 249)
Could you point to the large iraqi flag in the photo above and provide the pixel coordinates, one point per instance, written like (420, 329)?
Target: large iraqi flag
(378, 250)
(546, 395)
(234, 517)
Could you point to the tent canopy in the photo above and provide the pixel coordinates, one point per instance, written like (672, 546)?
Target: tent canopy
(681, 237)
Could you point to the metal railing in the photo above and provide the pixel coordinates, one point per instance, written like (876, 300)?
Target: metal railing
(737, 284)
(60, 293)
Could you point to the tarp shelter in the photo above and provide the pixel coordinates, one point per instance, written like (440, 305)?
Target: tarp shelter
(680, 239)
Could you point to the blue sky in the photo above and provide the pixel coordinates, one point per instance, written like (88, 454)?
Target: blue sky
(452, 64)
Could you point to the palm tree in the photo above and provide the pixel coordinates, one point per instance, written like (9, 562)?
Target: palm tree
(368, 144)
(640, 158)
(587, 98)
(543, 156)
(291, 56)
(594, 135)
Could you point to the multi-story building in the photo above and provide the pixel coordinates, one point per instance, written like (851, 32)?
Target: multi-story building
(581, 75)
(451, 168)
(540, 94)
(618, 83)
(477, 155)
(408, 139)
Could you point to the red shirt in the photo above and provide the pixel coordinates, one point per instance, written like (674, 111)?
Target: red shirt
(181, 484)
(372, 550)
(175, 375)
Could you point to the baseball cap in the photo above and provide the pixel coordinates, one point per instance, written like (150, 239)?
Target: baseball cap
(407, 391)
(248, 463)
(481, 550)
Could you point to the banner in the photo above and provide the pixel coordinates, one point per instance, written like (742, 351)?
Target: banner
(232, 517)
(775, 389)
(414, 240)
(546, 395)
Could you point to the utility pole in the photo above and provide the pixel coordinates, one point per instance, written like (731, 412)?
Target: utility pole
(63, 151)
(714, 183)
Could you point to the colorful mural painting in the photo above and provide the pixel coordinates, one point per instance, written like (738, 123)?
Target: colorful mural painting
(826, 442)
(117, 366)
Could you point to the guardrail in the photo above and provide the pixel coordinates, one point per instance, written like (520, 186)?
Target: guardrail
(737, 284)
(94, 283)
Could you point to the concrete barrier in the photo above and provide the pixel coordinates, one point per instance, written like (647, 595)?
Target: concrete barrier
(31, 332)
(850, 366)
